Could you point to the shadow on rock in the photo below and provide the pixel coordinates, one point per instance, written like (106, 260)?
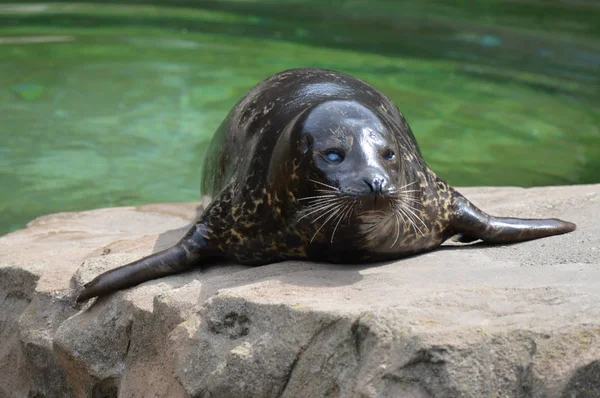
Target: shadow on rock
(584, 383)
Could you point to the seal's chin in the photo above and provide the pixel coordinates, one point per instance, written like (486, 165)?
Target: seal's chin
(377, 217)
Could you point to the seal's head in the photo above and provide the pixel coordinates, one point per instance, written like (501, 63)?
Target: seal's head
(352, 149)
(356, 168)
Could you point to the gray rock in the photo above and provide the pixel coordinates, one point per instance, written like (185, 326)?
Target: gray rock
(517, 320)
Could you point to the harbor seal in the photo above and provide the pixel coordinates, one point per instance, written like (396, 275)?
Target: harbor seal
(317, 165)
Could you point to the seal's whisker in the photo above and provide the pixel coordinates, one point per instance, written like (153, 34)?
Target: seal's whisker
(338, 218)
(317, 197)
(399, 210)
(412, 222)
(325, 222)
(353, 212)
(413, 211)
(349, 212)
(341, 217)
(407, 191)
(318, 200)
(402, 188)
(397, 229)
(410, 199)
(400, 194)
(321, 203)
(406, 185)
(411, 219)
(319, 208)
(328, 191)
(330, 209)
(322, 183)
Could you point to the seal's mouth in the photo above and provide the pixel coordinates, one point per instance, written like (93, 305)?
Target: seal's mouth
(375, 203)
(330, 209)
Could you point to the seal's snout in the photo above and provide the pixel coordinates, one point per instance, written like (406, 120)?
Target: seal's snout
(376, 186)
(366, 186)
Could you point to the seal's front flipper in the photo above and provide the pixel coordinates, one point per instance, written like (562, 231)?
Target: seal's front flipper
(470, 221)
(192, 250)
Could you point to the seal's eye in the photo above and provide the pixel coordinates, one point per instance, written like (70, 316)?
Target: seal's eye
(334, 156)
(389, 154)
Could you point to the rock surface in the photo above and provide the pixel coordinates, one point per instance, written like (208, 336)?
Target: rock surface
(517, 320)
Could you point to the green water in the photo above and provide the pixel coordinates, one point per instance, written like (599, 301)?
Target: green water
(110, 105)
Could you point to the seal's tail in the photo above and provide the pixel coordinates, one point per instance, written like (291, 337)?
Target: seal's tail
(474, 224)
(190, 251)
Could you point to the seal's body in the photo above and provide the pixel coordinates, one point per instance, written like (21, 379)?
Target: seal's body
(317, 165)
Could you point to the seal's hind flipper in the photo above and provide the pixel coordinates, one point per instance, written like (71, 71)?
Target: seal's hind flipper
(470, 221)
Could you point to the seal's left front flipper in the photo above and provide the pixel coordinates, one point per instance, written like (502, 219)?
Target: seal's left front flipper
(194, 249)
(468, 220)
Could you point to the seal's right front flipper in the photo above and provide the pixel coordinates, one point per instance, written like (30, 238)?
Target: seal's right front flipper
(470, 221)
(192, 250)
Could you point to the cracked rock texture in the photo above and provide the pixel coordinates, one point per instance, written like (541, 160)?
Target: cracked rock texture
(518, 320)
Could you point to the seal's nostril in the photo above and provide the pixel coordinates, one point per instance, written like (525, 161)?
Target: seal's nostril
(375, 185)
(382, 187)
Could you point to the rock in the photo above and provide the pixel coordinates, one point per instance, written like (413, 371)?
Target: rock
(518, 320)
